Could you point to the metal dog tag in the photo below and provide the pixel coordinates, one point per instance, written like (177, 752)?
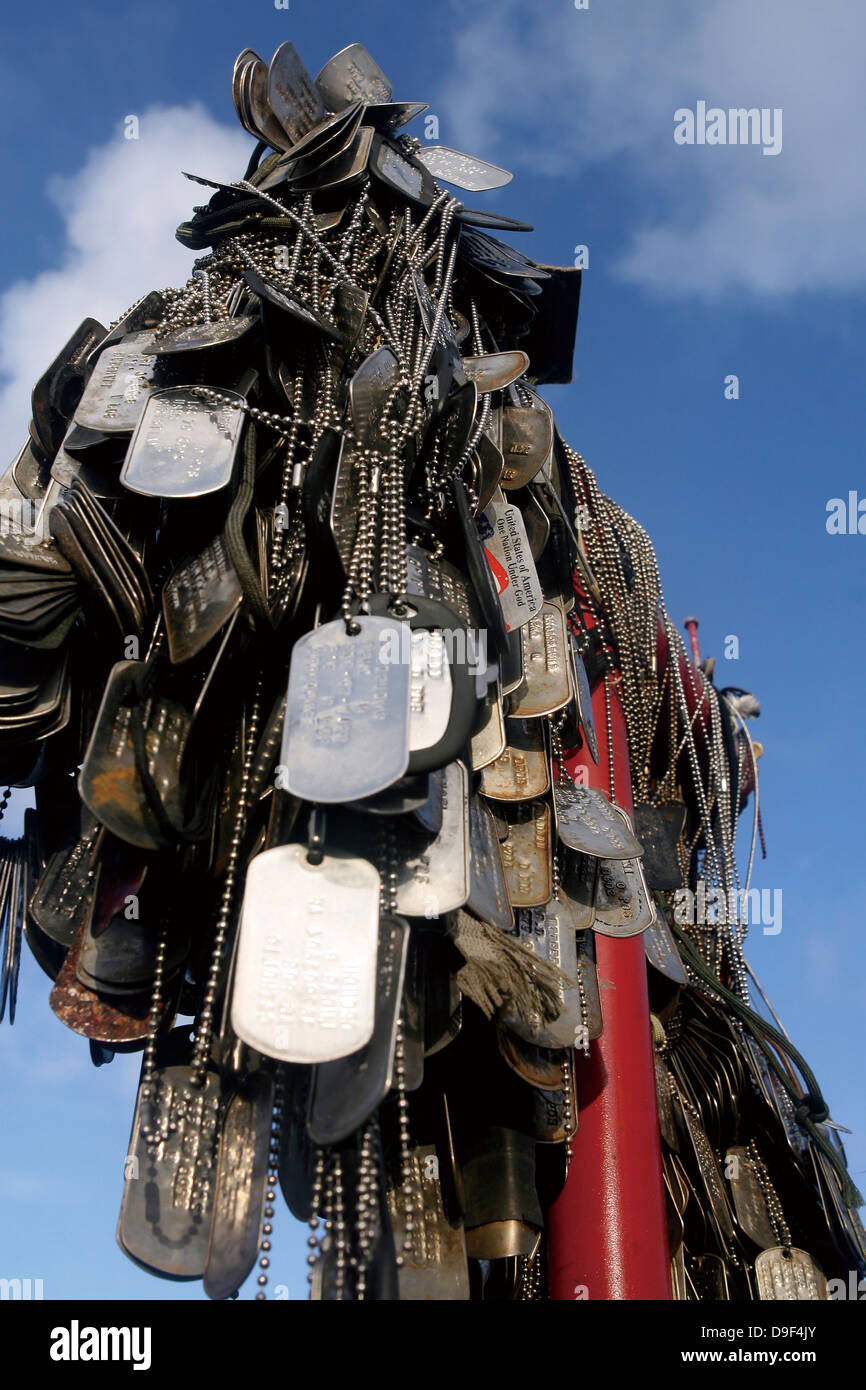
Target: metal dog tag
(345, 1093)
(540, 1067)
(785, 1273)
(464, 170)
(433, 878)
(438, 579)
(661, 949)
(183, 446)
(526, 854)
(577, 886)
(305, 979)
(165, 1215)
(199, 599)
(495, 371)
(583, 699)
(546, 686)
(522, 771)
(586, 821)
(435, 1265)
(623, 907)
(352, 75)
(292, 94)
(548, 933)
(554, 1113)
(199, 337)
(488, 741)
(526, 434)
(507, 549)
(114, 396)
(488, 892)
(240, 1183)
(750, 1203)
(346, 732)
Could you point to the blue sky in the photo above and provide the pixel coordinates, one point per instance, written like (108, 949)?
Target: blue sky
(703, 261)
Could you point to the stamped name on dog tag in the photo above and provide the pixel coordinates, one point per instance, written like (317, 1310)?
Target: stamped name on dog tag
(434, 878)
(785, 1273)
(241, 1180)
(750, 1203)
(114, 396)
(346, 731)
(183, 446)
(305, 974)
(506, 546)
(548, 933)
(586, 821)
(521, 772)
(546, 686)
(165, 1215)
(623, 907)
(661, 949)
(577, 886)
(199, 599)
(292, 94)
(526, 855)
(431, 578)
(430, 688)
(488, 892)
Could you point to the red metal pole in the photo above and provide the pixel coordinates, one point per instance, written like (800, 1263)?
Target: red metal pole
(691, 626)
(607, 1232)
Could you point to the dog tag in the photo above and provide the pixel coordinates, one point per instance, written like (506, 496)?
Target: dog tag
(554, 1113)
(661, 949)
(435, 1265)
(305, 980)
(577, 886)
(546, 686)
(438, 579)
(495, 371)
(526, 434)
(62, 901)
(586, 821)
(790, 1275)
(667, 1120)
(198, 337)
(464, 170)
(165, 1215)
(239, 1187)
(539, 1067)
(526, 854)
(717, 1209)
(346, 731)
(583, 699)
(199, 599)
(118, 1023)
(488, 892)
(548, 933)
(114, 396)
(433, 878)
(507, 550)
(623, 907)
(183, 446)
(657, 829)
(522, 771)
(352, 75)
(750, 1203)
(298, 1153)
(488, 741)
(430, 689)
(292, 94)
(346, 1092)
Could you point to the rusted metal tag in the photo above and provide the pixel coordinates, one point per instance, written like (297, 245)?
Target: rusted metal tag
(526, 854)
(522, 770)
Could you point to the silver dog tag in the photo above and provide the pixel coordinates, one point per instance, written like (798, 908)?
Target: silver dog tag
(183, 446)
(488, 892)
(305, 975)
(548, 933)
(546, 685)
(114, 396)
(586, 821)
(346, 731)
(430, 688)
(434, 879)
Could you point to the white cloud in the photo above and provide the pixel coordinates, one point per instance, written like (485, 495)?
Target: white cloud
(576, 93)
(119, 213)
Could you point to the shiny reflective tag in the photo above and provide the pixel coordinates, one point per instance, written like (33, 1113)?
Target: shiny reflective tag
(522, 771)
(623, 907)
(304, 984)
(464, 170)
(433, 876)
(430, 687)
(506, 546)
(488, 741)
(199, 599)
(546, 686)
(586, 821)
(352, 75)
(785, 1273)
(239, 1191)
(183, 446)
(526, 854)
(346, 731)
(293, 96)
(661, 949)
(548, 933)
(165, 1215)
(488, 892)
(114, 396)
